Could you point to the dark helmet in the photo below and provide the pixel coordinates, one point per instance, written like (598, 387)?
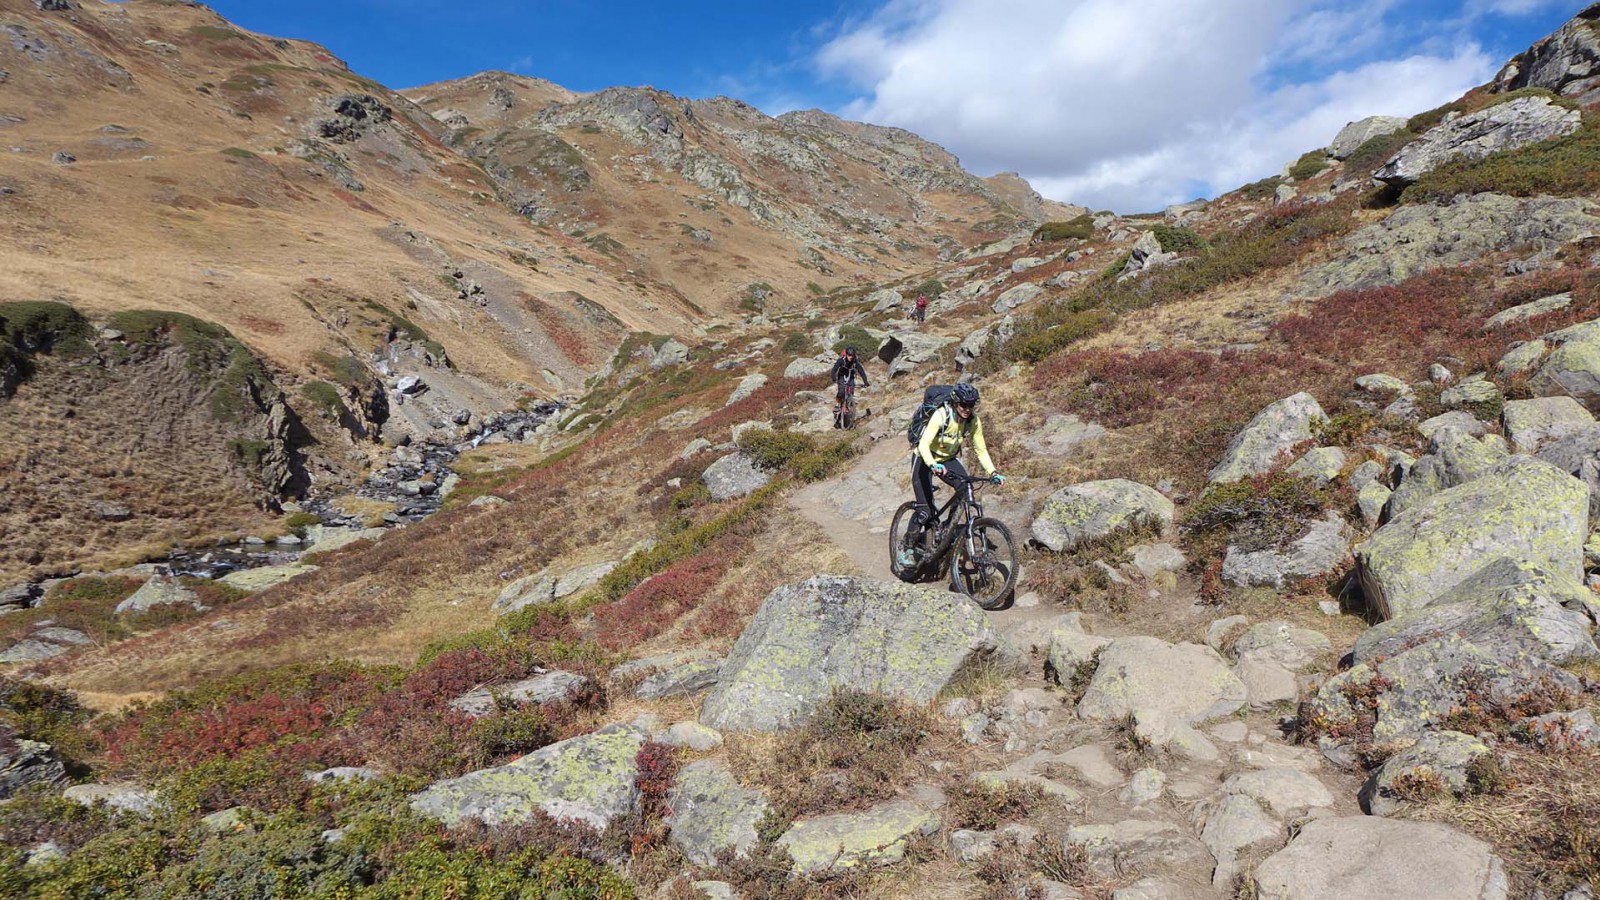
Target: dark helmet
(965, 395)
(850, 352)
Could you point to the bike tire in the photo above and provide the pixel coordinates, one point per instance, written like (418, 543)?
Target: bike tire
(991, 578)
(897, 531)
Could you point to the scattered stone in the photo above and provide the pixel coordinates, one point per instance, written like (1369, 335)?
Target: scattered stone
(1440, 761)
(877, 837)
(125, 797)
(589, 779)
(63, 158)
(734, 476)
(1519, 314)
(1095, 509)
(711, 813)
(1145, 255)
(1320, 464)
(1529, 423)
(747, 385)
(972, 846)
(343, 773)
(1135, 844)
(1364, 856)
(1154, 559)
(547, 587)
(1522, 508)
(551, 687)
(1071, 649)
(25, 763)
(1273, 431)
(670, 353)
(1383, 385)
(1479, 394)
(828, 633)
(680, 681)
(161, 590)
(1015, 297)
(1460, 420)
(263, 577)
(1146, 786)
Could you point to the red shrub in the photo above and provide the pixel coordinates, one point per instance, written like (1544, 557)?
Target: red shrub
(658, 602)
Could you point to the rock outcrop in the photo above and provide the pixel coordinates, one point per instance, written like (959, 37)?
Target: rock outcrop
(1567, 62)
(1096, 509)
(1365, 856)
(1273, 432)
(1494, 129)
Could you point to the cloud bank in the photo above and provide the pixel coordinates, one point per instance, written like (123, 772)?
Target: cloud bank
(1134, 105)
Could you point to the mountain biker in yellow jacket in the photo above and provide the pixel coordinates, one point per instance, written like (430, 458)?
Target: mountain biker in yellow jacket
(939, 453)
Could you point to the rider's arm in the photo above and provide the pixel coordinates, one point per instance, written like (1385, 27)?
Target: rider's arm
(929, 432)
(863, 370)
(980, 447)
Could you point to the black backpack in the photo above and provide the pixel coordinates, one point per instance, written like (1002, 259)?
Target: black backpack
(933, 397)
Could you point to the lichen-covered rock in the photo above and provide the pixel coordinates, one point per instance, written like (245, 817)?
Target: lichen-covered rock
(1015, 297)
(1095, 509)
(876, 837)
(589, 779)
(733, 476)
(1458, 419)
(710, 813)
(1513, 611)
(1494, 129)
(160, 590)
(1522, 313)
(1522, 357)
(1418, 688)
(804, 368)
(1135, 844)
(548, 587)
(1160, 684)
(680, 681)
(747, 385)
(1273, 432)
(1320, 464)
(1071, 649)
(1324, 548)
(263, 577)
(1454, 458)
(1364, 856)
(1573, 368)
(25, 763)
(546, 688)
(1383, 385)
(1522, 508)
(829, 633)
(1285, 644)
(1567, 62)
(1237, 825)
(1472, 394)
(1371, 500)
(1353, 135)
(1439, 762)
(1529, 423)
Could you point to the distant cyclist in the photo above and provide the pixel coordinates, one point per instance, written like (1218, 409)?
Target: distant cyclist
(922, 308)
(844, 372)
(939, 452)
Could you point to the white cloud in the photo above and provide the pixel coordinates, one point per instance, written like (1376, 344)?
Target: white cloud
(1133, 105)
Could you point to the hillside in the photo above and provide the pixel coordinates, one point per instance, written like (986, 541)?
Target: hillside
(1302, 483)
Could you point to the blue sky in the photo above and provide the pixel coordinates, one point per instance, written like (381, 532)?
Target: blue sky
(1127, 104)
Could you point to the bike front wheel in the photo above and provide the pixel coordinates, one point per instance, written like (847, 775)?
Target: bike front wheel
(985, 563)
(898, 529)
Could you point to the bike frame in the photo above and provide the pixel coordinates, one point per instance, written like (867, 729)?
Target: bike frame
(948, 517)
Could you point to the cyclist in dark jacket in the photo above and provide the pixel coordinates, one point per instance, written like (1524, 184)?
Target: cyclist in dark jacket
(845, 369)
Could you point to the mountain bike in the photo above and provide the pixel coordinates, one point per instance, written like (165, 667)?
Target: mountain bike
(973, 550)
(844, 414)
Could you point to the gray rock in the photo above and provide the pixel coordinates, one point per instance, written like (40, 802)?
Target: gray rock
(733, 476)
(1529, 423)
(1372, 499)
(31, 650)
(1145, 255)
(1511, 610)
(1454, 458)
(551, 687)
(1322, 549)
(1136, 845)
(125, 797)
(1439, 760)
(877, 837)
(805, 368)
(1567, 62)
(589, 779)
(1522, 313)
(1015, 297)
(1273, 432)
(228, 821)
(1165, 688)
(885, 300)
(1285, 644)
(1495, 129)
(1061, 434)
(1470, 394)
(680, 681)
(711, 813)
(747, 385)
(1522, 357)
(25, 763)
(343, 773)
(1095, 509)
(691, 735)
(1237, 825)
(160, 590)
(1353, 135)
(1522, 508)
(1573, 367)
(661, 662)
(670, 353)
(1146, 785)
(1153, 559)
(548, 587)
(1018, 266)
(829, 633)
(1363, 856)
(1319, 464)
(1460, 420)
(1561, 729)
(1383, 385)
(1420, 237)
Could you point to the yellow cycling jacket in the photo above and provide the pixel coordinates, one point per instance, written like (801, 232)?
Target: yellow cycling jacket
(941, 439)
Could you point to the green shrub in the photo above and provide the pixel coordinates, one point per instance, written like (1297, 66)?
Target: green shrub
(31, 325)
(1179, 239)
(346, 371)
(1080, 228)
(1264, 189)
(1035, 343)
(1561, 167)
(325, 397)
(855, 336)
(1309, 165)
(1376, 151)
(239, 152)
(931, 288)
(773, 450)
(209, 349)
(796, 342)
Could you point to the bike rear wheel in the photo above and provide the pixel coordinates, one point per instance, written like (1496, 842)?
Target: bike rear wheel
(903, 518)
(984, 566)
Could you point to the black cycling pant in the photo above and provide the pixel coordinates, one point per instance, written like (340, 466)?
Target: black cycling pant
(839, 395)
(922, 485)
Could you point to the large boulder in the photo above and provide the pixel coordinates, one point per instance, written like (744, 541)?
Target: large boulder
(161, 590)
(26, 763)
(1494, 129)
(259, 579)
(1567, 62)
(805, 367)
(1440, 762)
(1096, 509)
(1420, 237)
(549, 687)
(747, 385)
(1577, 454)
(1522, 508)
(1530, 310)
(1363, 856)
(1454, 458)
(1513, 611)
(1573, 368)
(830, 633)
(877, 837)
(589, 779)
(1272, 433)
(1015, 297)
(1353, 135)
(1165, 688)
(734, 476)
(904, 351)
(1322, 549)
(548, 587)
(1529, 423)
(711, 813)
